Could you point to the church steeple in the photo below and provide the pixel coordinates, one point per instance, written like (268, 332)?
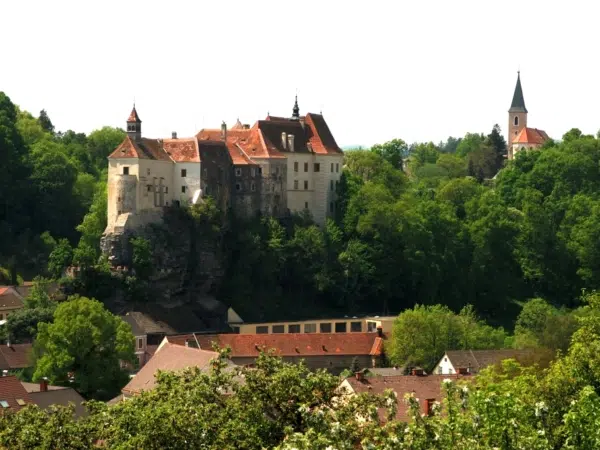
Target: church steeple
(296, 110)
(134, 125)
(518, 102)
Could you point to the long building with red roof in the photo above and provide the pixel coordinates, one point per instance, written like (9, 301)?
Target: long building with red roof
(276, 167)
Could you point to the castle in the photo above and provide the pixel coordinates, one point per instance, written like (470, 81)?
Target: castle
(276, 167)
(520, 137)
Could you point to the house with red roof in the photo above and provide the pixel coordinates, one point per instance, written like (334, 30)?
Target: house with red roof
(13, 395)
(332, 351)
(521, 137)
(10, 301)
(277, 166)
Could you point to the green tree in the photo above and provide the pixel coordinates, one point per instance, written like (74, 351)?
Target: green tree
(45, 121)
(393, 151)
(83, 348)
(60, 258)
(141, 257)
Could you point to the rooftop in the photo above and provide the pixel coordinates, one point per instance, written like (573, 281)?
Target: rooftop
(531, 136)
(13, 395)
(15, 356)
(479, 359)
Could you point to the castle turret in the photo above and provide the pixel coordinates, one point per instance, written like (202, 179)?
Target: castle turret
(134, 125)
(517, 114)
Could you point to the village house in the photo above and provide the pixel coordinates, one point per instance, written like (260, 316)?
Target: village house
(472, 361)
(15, 357)
(277, 166)
(520, 137)
(426, 388)
(368, 324)
(13, 395)
(45, 396)
(168, 357)
(334, 351)
(10, 301)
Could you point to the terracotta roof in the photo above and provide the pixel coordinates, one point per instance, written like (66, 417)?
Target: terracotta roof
(531, 136)
(13, 392)
(239, 140)
(10, 298)
(62, 397)
(169, 357)
(133, 116)
(15, 356)
(142, 324)
(317, 344)
(182, 149)
(479, 359)
(423, 387)
(151, 350)
(319, 135)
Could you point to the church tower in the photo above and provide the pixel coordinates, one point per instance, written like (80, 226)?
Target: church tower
(134, 125)
(517, 114)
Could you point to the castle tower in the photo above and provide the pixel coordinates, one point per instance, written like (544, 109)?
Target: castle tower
(134, 125)
(296, 110)
(517, 115)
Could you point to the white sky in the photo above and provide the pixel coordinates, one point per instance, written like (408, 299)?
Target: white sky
(417, 70)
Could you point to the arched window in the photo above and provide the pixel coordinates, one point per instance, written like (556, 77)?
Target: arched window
(516, 121)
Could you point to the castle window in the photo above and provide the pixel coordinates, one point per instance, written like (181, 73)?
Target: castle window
(252, 186)
(337, 167)
(183, 189)
(295, 184)
(183, 173)
(252, 172)
(331, 167)
(516, 121)
(306, 167)
(305, 205)
(260, 170)
(205, 172)
(238, 187)
(166, 189)
(317, 167)
(238, 172)
(305, 185)
(125, 170)
(149, 188)
(296, 166)
(330, 207)
(148, 171)
(331, 185)
(206, 189)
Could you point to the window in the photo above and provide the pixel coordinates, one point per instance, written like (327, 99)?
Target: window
(305, 185)
(330, 207)
(294, 329)
(147, 171)
(252, 172)
(166, 189)
(516, 121)
(278, 329)
(445, 359)
(4, 403)
(371, 326)
(149, 188)
(183, 173)
(331, 167)
(295, 184)
(238, 187)
(325, 327)
(238, 172)
(20, 402)
(206, 189)
(337, 167)
(140, 343)
(317, 167)
(277, 170)
(340, 327)
(260, 170)
(253, 186)
(305, 205)
(439, 370)
(183, 188)
(205, 171)
(310, 328)
(296, 166)
(262, 329)
(356, 327)
(306, 167)
(125, 170)
(331, 185)
(337, 185)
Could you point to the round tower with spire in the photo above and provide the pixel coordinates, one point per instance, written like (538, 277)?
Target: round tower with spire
(517, 114)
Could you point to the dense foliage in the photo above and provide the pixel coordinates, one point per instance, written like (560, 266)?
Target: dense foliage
(286, 406)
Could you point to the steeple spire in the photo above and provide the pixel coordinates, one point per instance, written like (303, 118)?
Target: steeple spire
(296, 110)
(134, 125)
(518, 102)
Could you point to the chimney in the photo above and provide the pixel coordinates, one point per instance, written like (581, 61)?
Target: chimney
(379, 331)
(417, 372)
(291, 142)
(44, 384)
(173, 134)
(224, 131)
(284, 139)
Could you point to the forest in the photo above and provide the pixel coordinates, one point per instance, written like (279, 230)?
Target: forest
(451, 223)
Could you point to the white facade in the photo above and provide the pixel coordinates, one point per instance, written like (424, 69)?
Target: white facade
(444, 367)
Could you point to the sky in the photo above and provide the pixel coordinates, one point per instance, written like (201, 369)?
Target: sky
(416, 70)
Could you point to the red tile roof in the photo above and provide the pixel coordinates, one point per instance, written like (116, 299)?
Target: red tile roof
(423, 387)
(11, 390)
(319, 135)
(10, 298)
(143, 149)
(531, 136)
(309, 344)
(133, 116)
(182, 149)
(169, 357)
(15, 356)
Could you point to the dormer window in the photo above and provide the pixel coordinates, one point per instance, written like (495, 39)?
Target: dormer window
(516, 121)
